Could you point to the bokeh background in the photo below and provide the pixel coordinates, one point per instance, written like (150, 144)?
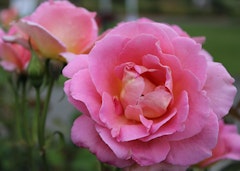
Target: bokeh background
(217, 20)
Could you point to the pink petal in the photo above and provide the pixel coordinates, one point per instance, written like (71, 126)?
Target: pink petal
(76, 22)
(174, 74)
(173, 121)
(194, 149)
(77, 62)
(162, 32)
(133, 112)
(151, 152)
(156, 167)
(83, 90)
(227, 146)
(118, 124)
(76, 103)
(199, 108)
(154, 104)
(138, 131)
(109, 113)
(103, 59)
(188, 51)
(136, 49)
(219, 88)
(121, 149)
(9, 57)
(42, 40)
(84, 134)
(161, 75)
(131, 91)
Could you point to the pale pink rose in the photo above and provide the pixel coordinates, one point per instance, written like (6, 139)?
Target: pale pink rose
(228, 146)
(59, 26)
(148, 95)
(13, 57)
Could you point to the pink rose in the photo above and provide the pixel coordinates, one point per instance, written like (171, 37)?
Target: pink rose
(13, 57)
(7, 16)
(59, 26)
(148, 95)
(227, 147)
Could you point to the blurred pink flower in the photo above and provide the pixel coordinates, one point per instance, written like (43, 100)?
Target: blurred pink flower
(148, 95)
(228, 146)
(59, 26)
(7, 16)
(13, 57)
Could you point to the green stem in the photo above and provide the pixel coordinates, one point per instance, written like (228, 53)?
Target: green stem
(42, 121)
(47, 101)
(39, 128)
(26, 120)
(17, 118)
(38, 112)
(27, 125)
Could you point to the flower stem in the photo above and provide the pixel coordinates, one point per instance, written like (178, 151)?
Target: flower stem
(26, 119)
(17, 117)
(42, 121)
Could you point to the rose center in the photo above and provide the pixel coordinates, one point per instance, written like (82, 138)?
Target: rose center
(140, 96)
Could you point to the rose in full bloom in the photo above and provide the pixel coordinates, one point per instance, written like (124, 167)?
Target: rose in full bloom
(59, 26)
(13, 57)
(148, 95)
(227, 147)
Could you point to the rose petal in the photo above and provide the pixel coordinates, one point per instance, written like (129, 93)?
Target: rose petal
(162, 32)
(155, 103)
(132, 90)
(156, 167)
(102, 62)
(187, 50)
(196, 148)
(121, 149)
(76, 63)
(85, 92)
(199, 107)
(162, 74)
(172, 122)
(118, 124)
(227, 146)
(84, 134)
(42, 40)
(219, 88)
(151, 152)
(77, 104)
(77, 20)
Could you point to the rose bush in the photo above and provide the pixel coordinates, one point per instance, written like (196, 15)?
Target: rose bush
(148, 95)
(59, 26)
(13, 57)
(227, 146)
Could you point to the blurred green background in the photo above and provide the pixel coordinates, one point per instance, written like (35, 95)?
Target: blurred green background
(217, 20)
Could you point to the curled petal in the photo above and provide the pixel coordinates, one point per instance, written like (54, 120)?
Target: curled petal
(42, 40)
